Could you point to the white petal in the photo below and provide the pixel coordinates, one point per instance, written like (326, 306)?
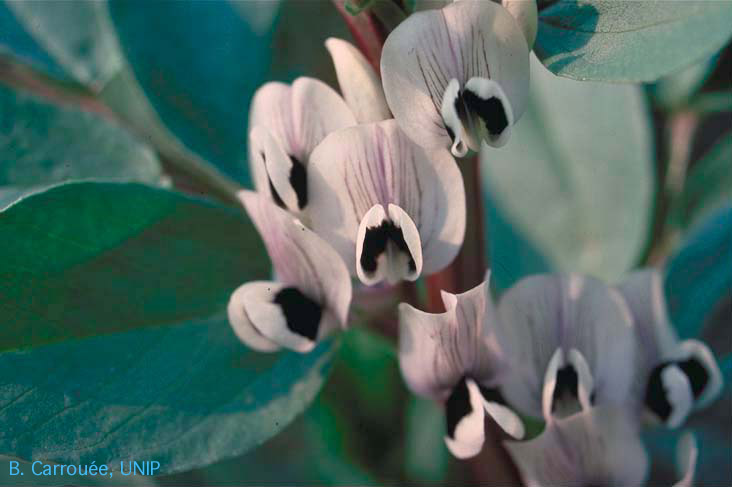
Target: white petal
(359, 167)
(268, 317)
(411, 238)
(585, 381)
(241, 323)
(272, 168)
(704, 357)
(461, 41)
(643, 292)
(687, 453)
(550, 383)
(543, 313)
(451, 119)
(599, 446)
(469, 435)
(526, 15)
(360, 86)
(426, 365)
(317, 111)
(506, 419)
(299, 117)
(300, 258)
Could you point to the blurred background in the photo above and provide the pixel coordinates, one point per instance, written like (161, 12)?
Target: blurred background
(180, 76)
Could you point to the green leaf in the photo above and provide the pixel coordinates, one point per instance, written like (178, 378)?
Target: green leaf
(708, 186)
(199, 70)
(43, 144)
(576, 178)
(427, 458)
(76, 35)
(672, 92)
(185, 396)
(630, 41)
(92, 258)
(699, 275)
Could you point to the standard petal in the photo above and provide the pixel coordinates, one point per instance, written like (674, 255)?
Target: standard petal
(526, 15)
(427, 362)
(687, 453)
(360, 86)
(317, 111)
(242, 324)
(359, 167)
(429, 49)
(300, 258)
(543, 313)
(272, 109)
(465, 420)
(599, 447)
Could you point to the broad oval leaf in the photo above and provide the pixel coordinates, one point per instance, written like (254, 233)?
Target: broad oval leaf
(699, 275)
(42, 144)
(576, 177)
(608, 40)
(185, 396)
(199, 69)
(91, 258)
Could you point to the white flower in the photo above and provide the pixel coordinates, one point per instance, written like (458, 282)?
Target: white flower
(458, 76)
(389, 208)
(288, 122)
(598, 447)
(453, 357)
(313, 290)
(570, 343)
(674, 377)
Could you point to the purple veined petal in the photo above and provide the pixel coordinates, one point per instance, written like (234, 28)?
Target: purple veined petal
(600, 446)
(527, 17)
(273, 171)
(465, 420)
(317, 111)
(360, 86)
(545, 313)
(300, 258)
(242, 324)
(298, 117)
(687, 454)
(430, 49)
(376, 164)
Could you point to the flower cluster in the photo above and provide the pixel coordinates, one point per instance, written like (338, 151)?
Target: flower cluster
(363, 184)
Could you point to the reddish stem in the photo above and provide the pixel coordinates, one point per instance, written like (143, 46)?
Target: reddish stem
(468, 268)
(367, 31)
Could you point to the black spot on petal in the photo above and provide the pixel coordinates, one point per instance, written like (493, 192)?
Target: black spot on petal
(374, 244)
(567, 384)
(492, 395)
(299, 182)
(457, 406)
(696, 373)
(490, 111)
(301, 313)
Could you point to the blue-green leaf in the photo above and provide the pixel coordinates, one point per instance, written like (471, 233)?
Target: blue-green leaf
(608, 40)
(699, 275)
(91, 258)
(199, 69)
(43, 144)
(185, 396)
(15, 41)
(576, 177)
(76, 35)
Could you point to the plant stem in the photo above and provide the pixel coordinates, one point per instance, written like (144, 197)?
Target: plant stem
(468, 268)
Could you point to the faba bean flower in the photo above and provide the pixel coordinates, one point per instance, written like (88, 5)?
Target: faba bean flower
(391, 209)
(598, 447)
(458, 76)
(288, 122)
(674, 377)
(453, 357)
(569, 341)
(311, 296)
